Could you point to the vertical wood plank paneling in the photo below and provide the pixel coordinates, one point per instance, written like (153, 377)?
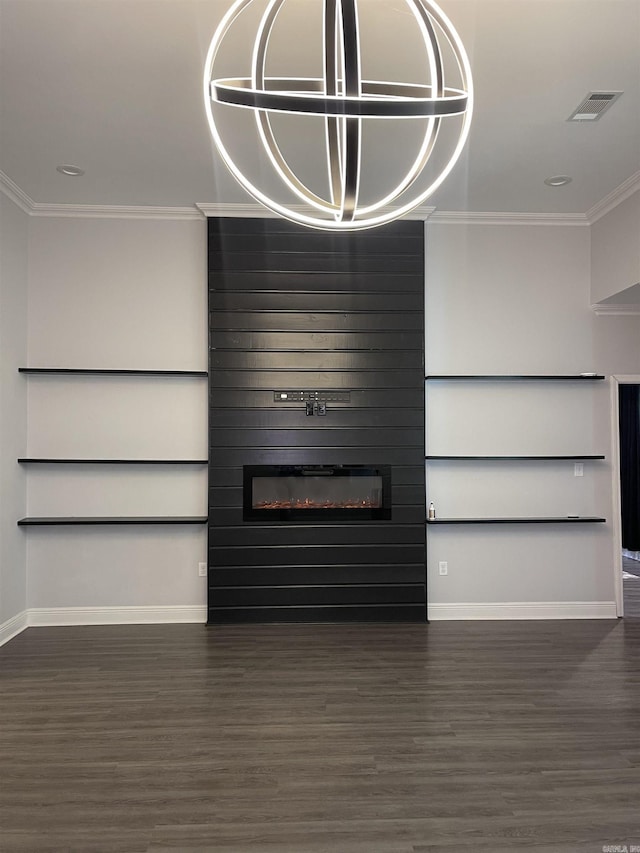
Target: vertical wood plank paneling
(291, 308)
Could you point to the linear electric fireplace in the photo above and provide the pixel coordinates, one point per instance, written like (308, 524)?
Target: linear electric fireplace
(316, 492)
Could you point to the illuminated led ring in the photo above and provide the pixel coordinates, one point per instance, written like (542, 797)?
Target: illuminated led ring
(344, 99)
(409, 101)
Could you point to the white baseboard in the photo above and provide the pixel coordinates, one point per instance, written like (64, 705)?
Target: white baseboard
(197, 613)
(524, 610)
(41, 616)
(13, 626)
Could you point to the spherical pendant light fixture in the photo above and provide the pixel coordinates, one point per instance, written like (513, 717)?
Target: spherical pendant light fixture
(347, 103)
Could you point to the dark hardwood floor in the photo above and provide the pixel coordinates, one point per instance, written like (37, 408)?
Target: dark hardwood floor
(453, 736)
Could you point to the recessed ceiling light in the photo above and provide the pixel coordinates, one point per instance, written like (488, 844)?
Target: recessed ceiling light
(73, 171)
(558, 180)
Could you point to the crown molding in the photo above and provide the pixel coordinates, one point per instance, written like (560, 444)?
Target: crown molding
(255, 210)
(239, 211)
(615, 310)
(92, 211)
(455, 217)
(627, 188)
(115, 211)
(17, 196)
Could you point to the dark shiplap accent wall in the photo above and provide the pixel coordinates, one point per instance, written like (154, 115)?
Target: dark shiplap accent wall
(291, 308)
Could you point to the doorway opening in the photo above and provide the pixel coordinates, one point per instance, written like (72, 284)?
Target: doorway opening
(626, 492)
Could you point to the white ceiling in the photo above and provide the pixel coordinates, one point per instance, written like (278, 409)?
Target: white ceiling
(114, 86)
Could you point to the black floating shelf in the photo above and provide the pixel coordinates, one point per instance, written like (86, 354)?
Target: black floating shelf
(31, 460)
(514, 458)
(73, 371)
(580, 377)
(567, 519)
(113, 520)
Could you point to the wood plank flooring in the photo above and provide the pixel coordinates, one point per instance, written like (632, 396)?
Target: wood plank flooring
(453, 736)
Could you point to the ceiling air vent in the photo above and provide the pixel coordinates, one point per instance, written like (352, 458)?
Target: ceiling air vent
(594, 106)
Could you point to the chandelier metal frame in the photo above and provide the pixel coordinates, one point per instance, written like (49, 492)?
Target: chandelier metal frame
(345, 100)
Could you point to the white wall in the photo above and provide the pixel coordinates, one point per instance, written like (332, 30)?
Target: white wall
(13, 348)
(615, 250)
(516, 300)
(500, 299)
(107, 293)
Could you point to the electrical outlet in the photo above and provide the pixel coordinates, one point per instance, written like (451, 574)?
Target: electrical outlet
(443, 567)
(578, 469)
(202, 570)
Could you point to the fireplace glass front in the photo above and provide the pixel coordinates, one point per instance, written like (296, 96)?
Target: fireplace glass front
(306, 492)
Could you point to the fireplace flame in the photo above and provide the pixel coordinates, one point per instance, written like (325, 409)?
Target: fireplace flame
(308, 503)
